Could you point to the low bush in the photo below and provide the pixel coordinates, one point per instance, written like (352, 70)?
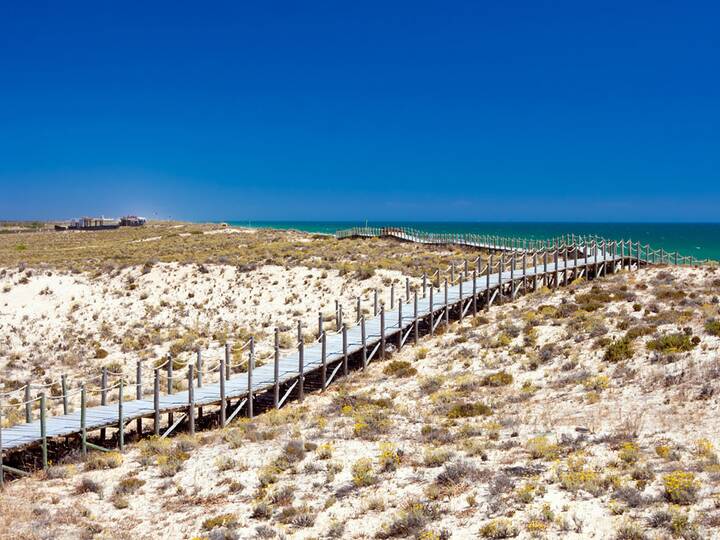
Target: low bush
(671, 343)
(501, 378)
(681, 487)
(618, 350)
(467, 410)
(399, 368)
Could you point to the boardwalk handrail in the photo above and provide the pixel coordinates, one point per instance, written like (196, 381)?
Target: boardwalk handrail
(643, 252)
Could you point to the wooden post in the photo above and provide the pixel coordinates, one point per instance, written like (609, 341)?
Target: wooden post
(500, 282)
(63, 388)
(103, 396)
(535, 270)
(465, 269)
(556, 282)
(452, 272)
(276, 370)
(170, 389)
(545, 276)
(121, 419)
(447, 305)
(223, 404)
(323, 357)
(575, 270)
(28, 403)
(424, 284)
(487, 282)
(301, 371)
(382, 332)
(524, 272)
(251, 365)
(358, 310)
(432, 313)
(227, 361)
(345, 350)
(364, 341)
(400, 327)
(156, 401)
(474, 293)
(191, 400)
(83, 429)
(43, 432)
(416, 322)
(460, 286)
(392, 294)
(375, 302)
(512, 276)
(138, 394)
(337, 314)
(407, 288)
(320, 324)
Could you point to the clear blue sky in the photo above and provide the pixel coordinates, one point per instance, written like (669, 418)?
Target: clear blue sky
(602, 111)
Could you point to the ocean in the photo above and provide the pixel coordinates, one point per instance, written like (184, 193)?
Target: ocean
(701, 240)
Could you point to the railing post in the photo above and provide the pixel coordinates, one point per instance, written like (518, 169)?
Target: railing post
(103, 396)
(251, 366)
(415, 322)
(392, 295)
(447, 305)
(156, 401)
(512, 276)
(63, 387)
(400, 327)
(375, 303)
(83, 428)
(500, 278)
(358, 310)
(276, 370)
(138, 394)
(191, 399)
(364, 341)
(487, 283)
(223, 403)
(301, 371)
(474, 293)
(28, 403)
(556, 283)
(320, 324)
(43, 432)
(170, 387)
(121, 418)
(535, 271)
(424, 284)
(432, 314)
(228, 360)
(345, 350)
(323, 356)
(460, 285)
(382, 332)
(407, 288)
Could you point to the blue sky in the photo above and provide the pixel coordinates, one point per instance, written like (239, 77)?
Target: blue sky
(554, 111)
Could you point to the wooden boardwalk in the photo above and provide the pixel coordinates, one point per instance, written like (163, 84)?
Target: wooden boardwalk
(493, 280)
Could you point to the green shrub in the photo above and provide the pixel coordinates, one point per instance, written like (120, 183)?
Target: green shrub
(671, 343)
(501, 378)
(466, 410)
(712, 327)
(400, 368)
(620, 349)
(223, 520)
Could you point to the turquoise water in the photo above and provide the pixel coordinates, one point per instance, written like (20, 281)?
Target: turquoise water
(701, 240)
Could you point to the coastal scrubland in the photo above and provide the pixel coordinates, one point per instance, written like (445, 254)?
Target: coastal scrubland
(72, 303)
(586, 412)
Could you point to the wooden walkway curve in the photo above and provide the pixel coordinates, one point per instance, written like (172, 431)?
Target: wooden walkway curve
(516, 270)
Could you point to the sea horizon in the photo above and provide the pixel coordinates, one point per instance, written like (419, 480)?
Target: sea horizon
(700, 239)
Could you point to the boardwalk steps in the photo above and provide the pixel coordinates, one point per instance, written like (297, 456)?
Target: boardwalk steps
(309, 367)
